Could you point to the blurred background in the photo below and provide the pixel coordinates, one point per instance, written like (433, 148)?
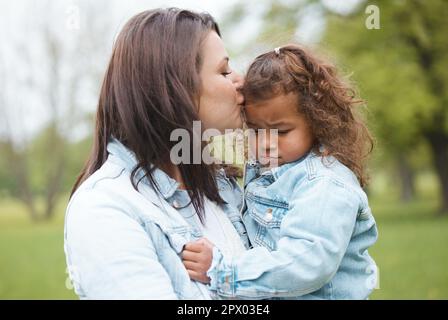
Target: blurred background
(52, 58)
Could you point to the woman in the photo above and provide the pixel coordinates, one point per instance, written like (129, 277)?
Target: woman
(132, 210)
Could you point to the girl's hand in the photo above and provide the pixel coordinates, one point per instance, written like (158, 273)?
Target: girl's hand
(197, 257)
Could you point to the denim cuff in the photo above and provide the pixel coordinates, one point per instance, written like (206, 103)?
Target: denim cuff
(221, 275)
(212, 272)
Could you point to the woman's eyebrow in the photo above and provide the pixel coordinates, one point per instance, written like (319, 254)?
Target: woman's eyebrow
(224, 61)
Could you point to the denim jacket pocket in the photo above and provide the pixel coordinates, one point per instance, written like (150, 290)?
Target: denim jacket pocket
(268, 215)
(168, 237)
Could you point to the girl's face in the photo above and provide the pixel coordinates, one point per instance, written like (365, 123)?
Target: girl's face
(294, 138)
(220, 101)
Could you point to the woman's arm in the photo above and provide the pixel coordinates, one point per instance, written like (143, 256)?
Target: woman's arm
(110, 256)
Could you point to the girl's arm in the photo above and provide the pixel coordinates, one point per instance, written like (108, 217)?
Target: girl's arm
(314, 236)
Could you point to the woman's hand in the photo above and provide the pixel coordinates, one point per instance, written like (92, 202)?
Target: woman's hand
(197, 257)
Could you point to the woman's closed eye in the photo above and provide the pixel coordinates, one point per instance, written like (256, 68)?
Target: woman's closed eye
(226, 73)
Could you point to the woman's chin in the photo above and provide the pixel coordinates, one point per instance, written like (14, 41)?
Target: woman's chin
(238, 124)
(238, 118)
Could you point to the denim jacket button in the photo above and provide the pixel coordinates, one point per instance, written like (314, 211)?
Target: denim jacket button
(176, 204)
(269, 214)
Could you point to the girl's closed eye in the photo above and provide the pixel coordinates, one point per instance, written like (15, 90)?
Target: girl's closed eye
(226, 73)
(251, 125)
(283, 132)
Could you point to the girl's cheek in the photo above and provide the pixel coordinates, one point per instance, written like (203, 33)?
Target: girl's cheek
(288, 144)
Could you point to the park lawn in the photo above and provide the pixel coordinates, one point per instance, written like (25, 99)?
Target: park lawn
(32, 261)
(411, 253)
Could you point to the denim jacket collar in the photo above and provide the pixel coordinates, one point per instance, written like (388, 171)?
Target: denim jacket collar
(123, 156)
(280, 170)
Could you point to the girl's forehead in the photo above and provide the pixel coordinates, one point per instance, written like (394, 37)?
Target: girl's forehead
(279, 109)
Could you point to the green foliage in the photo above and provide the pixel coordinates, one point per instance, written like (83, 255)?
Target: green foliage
(42, 157)
(400, 70)
(388, 68)
(8, 184)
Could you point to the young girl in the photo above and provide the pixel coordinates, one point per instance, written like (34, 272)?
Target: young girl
(308, 218)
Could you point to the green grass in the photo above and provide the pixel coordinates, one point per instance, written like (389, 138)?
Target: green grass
(411, 253)
(32, 261)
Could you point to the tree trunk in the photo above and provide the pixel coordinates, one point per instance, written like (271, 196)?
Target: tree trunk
(407, 178)
(439, 145)
(53, 188)
(18, 166)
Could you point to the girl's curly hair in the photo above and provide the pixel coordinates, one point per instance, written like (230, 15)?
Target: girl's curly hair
(327, 102)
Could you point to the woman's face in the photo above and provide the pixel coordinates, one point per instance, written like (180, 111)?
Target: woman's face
(220, 101)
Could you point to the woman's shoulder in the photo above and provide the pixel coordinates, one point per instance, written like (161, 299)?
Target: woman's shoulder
(109, 172)
(108, 196)
(102, 197)
(108, 191)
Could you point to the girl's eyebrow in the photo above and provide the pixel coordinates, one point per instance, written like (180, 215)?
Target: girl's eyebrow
(276, 124)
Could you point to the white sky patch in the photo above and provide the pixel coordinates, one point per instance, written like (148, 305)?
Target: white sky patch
(342, 7)
(311, 26)
(24, 60)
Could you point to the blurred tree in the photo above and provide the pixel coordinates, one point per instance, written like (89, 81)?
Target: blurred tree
(52, 73)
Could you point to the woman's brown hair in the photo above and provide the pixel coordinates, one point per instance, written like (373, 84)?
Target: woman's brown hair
(327, 102)
(150, 88)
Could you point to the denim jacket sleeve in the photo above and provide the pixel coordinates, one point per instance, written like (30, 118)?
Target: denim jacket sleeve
(314, 235)
(109, 254)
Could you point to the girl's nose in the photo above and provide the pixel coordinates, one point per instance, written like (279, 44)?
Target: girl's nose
(269, 141)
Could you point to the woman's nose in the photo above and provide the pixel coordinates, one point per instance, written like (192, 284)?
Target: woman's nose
(238, 80)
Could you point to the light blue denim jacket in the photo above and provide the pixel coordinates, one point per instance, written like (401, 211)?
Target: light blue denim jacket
(311, 226)
(125, 244)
